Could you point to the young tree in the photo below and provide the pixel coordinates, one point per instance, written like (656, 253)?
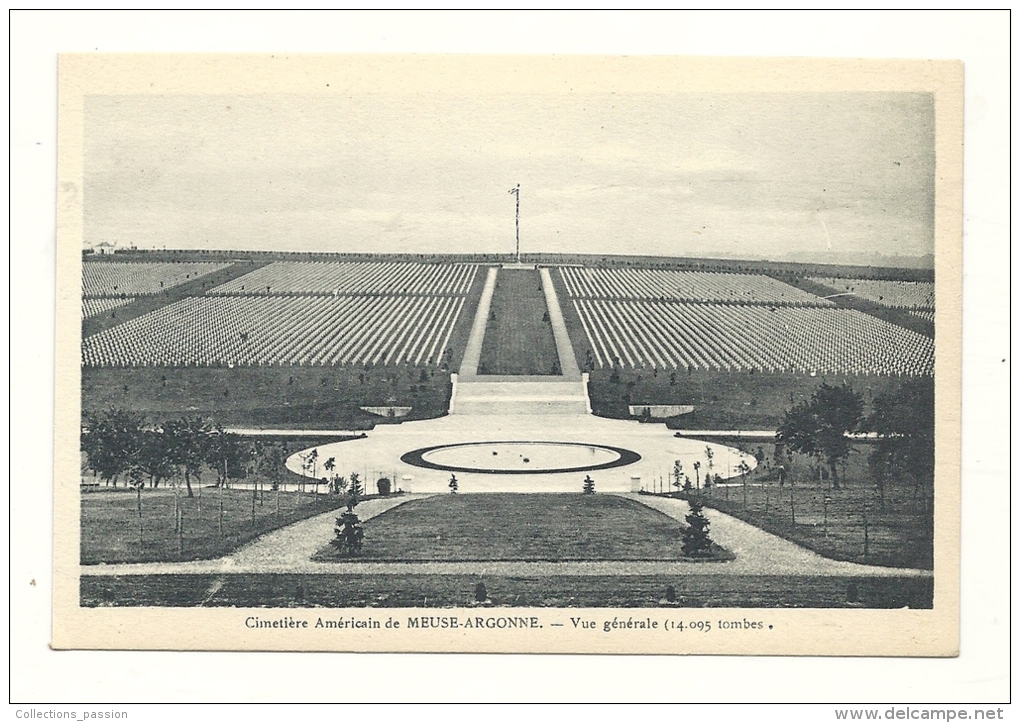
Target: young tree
(881, 466)
(312, 460)
(337, 485)
(349, 532)
(271, 463)
(588, 487)
(819, 426)
(138, 481)
(453, 484)
(695, 541)
(354, 489)
(744, 469)
(678, 472)
(697, 475)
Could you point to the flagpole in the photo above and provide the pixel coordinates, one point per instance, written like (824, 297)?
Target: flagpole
(517, 222)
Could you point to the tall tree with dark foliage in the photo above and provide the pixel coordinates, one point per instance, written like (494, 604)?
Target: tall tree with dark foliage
(818, 427)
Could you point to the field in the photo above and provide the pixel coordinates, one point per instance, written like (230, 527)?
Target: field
(518, 336)
(323, 340)
(547, 527)
(856, 522)
(721, 400)
(299, 314)
(595, 283)
(669, 335)
(119, 280)
(283, 397)
(555, 591)
(897, 294)
(282, 330)
(141, 305)
(738, 363)
(729, 322)
(353, 278)
(111, 531)
(905, 317)
(95, 307)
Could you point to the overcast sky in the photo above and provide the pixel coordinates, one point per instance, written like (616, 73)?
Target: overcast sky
(781, 176)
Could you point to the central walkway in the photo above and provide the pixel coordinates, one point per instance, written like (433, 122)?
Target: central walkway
(545, 394)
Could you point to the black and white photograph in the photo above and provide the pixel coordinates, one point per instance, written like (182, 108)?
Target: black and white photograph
(652, 357)
(509, 355)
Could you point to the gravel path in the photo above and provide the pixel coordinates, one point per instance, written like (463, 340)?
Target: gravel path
(289, 550)
(295, 544)
(762, 553)
(565, 351)
(473, 348)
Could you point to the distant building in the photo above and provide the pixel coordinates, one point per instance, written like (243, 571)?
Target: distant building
(103, 248)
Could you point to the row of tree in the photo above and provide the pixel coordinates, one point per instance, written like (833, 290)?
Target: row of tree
(902, 420)
(120, 445)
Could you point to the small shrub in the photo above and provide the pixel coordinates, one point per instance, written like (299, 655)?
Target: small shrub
(695, 539)
(589, 485)
(350, 535)
(481, 594)
(453, 484)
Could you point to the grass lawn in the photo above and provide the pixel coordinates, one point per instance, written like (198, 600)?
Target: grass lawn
(898, 527)
(551, 527)
(558, 591)
(270, 396)
(110, 525)
(518, 335)
(721, 400)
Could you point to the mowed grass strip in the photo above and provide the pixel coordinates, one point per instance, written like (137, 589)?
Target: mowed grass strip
(554, 591)
(518, 335)
(536, 527)
(111, 533)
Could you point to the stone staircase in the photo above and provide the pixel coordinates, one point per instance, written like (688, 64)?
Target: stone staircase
(520, 395)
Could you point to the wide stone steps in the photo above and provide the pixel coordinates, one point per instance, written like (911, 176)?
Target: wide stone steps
(519, 389)
(474, 396)
(521, 406)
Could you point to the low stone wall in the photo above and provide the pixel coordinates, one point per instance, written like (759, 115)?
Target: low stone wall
(660, 411)
(396, 412)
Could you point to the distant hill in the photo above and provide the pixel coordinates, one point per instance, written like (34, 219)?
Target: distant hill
(847, 265)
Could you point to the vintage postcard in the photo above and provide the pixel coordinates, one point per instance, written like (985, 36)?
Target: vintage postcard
(508, 354)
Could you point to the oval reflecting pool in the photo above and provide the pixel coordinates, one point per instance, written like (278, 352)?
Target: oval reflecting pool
(520, 457)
